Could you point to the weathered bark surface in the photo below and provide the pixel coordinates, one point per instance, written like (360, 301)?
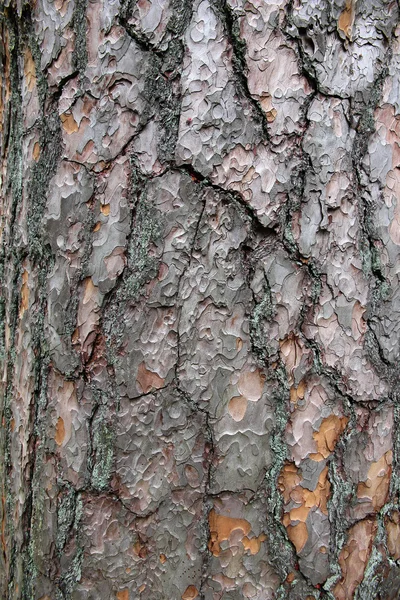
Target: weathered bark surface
(200, 296)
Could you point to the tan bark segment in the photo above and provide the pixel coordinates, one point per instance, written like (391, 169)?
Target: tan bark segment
(327, 436)
(236, 542)
(375, 489)
(148, 380)
(24, 293)
(314, 428)
(392, 523)
(353, 558)
(346, 19)
(29, 70)
(69, 123)
(221, 528)
(190, 593)
(60, 431)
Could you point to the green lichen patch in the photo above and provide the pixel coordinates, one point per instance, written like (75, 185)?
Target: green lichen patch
(103, 446)
(162, 100)
(278, 543)
(42, 172)
(79, 24)
(66, 507)
(143, 266)
(263, 311)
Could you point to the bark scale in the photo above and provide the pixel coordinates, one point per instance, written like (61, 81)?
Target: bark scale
(200, 299)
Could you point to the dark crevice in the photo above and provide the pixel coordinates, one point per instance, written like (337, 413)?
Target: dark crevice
(238, 45)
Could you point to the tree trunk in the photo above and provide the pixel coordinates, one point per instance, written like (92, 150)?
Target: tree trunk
(200, 300)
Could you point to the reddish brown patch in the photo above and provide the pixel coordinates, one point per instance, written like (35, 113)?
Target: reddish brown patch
(105, 209)
(91, 290)
(221, 528)
(237, 407)
(319, 497)
(295, 519)
(299, 514)
(271, 115)
(298, 535)
(24, 294)
(140, 549)
(190, 593)
(98, 360)
(36, 151)
(393, 534)
(61, 6)
(358, 323)
(162, 271)
(346, 19)
(60, 432)
(253, 545)
(148, 380)
(288, 481)
(353, 558)
(163, 559)
(376, 487)
(326, 438)
(68, 122)
(29, 70)
(266, 103)
(123, 595)
(297, 393)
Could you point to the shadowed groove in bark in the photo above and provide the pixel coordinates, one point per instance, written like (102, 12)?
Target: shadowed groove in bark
(7, 256)
(232, 28)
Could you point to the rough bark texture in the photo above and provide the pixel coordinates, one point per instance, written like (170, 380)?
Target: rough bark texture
(200, 262)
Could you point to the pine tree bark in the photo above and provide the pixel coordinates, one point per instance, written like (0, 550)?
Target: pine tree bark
(200, 299)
